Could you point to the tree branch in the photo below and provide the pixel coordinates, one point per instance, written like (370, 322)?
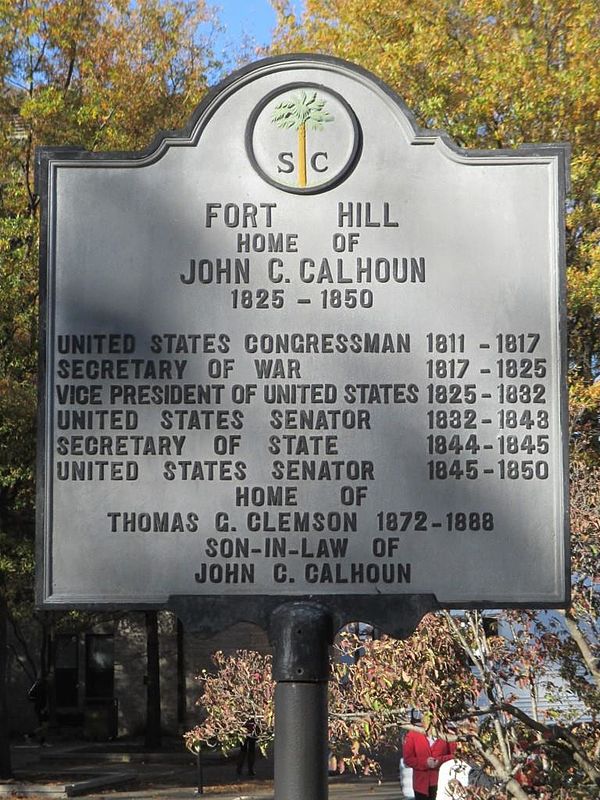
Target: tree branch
(513, 786)
(584, 648)
(551, 732)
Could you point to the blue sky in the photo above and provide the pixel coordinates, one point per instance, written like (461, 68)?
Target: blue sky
(254, 18)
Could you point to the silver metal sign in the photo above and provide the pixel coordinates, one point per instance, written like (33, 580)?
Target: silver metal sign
(303, 348)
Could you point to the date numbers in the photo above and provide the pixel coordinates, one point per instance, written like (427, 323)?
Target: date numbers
(257, 298)
(418, 521)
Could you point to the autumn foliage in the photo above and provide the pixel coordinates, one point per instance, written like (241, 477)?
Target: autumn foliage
(237, 693)
(373, 685)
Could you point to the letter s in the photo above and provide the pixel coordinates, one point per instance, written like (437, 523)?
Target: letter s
(287, 159)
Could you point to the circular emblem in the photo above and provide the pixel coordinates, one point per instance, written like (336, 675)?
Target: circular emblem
(303, 138)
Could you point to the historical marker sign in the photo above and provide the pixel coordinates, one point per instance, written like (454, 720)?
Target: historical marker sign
(303, 348)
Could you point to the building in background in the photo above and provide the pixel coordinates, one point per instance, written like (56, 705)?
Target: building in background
(97, 677)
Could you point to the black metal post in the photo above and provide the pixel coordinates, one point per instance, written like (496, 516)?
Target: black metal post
(301, 634)
(199, 772)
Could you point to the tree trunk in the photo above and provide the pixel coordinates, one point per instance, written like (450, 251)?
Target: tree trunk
(302, 156)
(181, 694)
(153, 736)
(5, 762)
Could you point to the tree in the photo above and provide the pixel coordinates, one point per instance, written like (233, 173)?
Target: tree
(96, 74)
(302, 111)
(240, 689)
(368, 698)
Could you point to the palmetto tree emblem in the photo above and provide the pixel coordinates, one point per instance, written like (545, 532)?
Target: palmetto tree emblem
(299, 112)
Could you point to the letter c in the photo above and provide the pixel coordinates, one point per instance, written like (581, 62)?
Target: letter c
(313, 161)
(221, 521)
(280, 573)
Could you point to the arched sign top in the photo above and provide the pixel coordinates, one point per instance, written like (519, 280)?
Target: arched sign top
(320, 71)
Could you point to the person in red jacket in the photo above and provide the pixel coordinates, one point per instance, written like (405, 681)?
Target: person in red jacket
(424, 754)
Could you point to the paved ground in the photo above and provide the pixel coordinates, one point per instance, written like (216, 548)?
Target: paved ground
(338, 791)
(130, 772)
